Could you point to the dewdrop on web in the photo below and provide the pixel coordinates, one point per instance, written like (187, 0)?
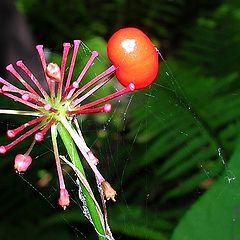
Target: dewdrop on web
(54, 109)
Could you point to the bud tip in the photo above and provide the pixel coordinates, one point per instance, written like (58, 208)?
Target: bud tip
(63, 200)
(22, 162)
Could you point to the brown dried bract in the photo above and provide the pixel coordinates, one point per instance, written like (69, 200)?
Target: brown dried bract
(108, 191)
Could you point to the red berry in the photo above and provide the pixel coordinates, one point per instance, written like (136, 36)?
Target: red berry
(134, 56)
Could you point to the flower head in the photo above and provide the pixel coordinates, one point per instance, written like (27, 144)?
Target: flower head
(59, 103)
(63, 99)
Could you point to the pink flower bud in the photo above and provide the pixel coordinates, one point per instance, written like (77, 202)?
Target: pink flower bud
(11, 133)
(47, 107)
(22, 162)
(25, 96)
(5, 88)
(64, 200)
(107, 107)
(131, 87)
(2, 149)
(38, 137)
(75, 84)
(53, 71)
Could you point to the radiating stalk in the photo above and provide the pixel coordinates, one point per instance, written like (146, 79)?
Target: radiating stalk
(73, 154)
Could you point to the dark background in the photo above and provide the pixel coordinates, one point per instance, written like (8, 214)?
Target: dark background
(162, 153)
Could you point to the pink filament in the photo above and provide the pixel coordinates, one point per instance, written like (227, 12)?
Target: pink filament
(93, 90)
(17, 99)
(43, 62)
(4, 149)
(83, 72)
(106, 108)
(32, 77)
(66, 47)
(13, 132)
(129, 88)
(74, 56)
(8, 87)
(11, 69)
(94, 80)
(39, 136)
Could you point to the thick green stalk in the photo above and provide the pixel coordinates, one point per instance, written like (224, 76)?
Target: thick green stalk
(73, 154)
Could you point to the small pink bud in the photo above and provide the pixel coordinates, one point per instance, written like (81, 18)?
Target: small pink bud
(38, 137)
(47, 107)
(25, 97)
(39, 47)
(94, 160)
(107, 107)
(53, 71)
(9, 67)
(19, 63)
(22, 162)
(64, 200)
(131, 87)
(5, 88)
(76, 42)
(75, 84)
(2, 149)
(94, 53)
(68, 45)
(11, 133)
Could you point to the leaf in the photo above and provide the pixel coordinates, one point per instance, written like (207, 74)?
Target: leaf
(216, 215)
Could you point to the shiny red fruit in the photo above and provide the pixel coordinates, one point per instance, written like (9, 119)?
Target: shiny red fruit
(134, 56)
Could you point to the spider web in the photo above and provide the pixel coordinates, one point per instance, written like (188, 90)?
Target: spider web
(116, 145)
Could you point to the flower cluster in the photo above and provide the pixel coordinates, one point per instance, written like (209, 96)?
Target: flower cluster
(59, 104)
(135, 62)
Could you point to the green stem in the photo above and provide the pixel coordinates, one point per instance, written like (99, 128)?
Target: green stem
(73, 154)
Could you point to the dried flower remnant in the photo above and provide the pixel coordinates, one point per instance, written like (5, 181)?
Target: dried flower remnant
(108, 191)
(56, 107)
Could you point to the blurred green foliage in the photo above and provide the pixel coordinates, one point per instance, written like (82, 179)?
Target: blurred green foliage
(163, 147)
(215, 219)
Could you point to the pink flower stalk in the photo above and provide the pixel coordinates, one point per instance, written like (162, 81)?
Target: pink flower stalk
(58, 104)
